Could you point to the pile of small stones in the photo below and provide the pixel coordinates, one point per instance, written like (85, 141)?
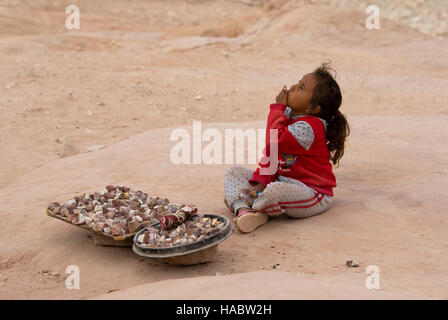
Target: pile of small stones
(193, 230)
(115, 211)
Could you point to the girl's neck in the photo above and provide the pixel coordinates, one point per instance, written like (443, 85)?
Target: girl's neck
(295, 113)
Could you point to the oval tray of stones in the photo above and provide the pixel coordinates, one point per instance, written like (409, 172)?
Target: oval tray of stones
(84, 226)
(160, 248)
(98, 211)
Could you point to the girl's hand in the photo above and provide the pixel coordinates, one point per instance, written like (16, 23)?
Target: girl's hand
(282, 97)
(258, 187)
(250, 194)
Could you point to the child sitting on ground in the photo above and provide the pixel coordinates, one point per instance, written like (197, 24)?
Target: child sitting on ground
(310, 132)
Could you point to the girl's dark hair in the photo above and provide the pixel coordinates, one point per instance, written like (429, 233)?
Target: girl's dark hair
(328, 96)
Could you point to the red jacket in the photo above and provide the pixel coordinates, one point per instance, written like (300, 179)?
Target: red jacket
(302, 151)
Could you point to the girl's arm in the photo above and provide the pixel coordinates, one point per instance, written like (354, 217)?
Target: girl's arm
(295, 138)
(264, 179)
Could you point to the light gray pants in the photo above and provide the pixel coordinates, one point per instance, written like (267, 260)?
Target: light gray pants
(284, 195)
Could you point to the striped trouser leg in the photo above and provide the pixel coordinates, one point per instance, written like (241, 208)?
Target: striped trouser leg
(293, 199)
(236, 179)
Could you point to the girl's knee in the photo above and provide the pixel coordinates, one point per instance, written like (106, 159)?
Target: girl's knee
(274, 188)
(235, 171)
(229, 171)
(268, 200)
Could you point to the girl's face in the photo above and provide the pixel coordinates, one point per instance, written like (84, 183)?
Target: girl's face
(300, 94)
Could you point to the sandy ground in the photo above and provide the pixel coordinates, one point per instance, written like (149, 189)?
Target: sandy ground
(133, 73)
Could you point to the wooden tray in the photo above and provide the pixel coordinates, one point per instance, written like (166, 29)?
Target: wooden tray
(101, 238)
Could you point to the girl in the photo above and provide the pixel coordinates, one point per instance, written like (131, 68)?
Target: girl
(311, 132)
